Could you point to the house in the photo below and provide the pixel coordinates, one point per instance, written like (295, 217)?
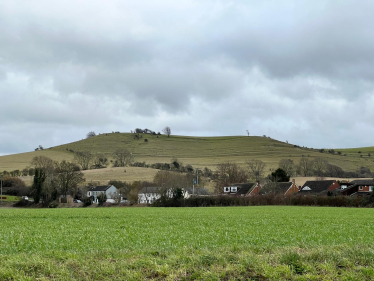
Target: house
(110, 191)
(147, 195)
(319, 187)
(358, 187)
(197, 191)
(243, 189)
(284, 188)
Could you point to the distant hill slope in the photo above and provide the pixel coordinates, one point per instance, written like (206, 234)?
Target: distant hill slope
(197, 151)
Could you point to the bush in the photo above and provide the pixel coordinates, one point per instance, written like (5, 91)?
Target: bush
(23, 203)
(269, 199)
(87, 201)
(102, 199)
(53, 204)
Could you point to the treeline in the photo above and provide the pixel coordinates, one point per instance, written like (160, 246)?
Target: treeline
(268, 200)
(19, 173)
(176, 166)
(320, 167)
(54, 178)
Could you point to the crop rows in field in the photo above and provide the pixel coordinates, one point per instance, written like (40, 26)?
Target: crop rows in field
(144, 229)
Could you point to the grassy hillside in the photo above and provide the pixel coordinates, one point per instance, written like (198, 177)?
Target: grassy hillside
(197, 151)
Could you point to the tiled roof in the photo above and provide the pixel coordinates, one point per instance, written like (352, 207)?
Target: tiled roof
(244, 188)
(100, 188)
(362, 182)
(317, 186)
(280, 187)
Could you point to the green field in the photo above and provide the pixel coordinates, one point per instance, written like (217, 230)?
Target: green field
(197, 151)
(238, 243)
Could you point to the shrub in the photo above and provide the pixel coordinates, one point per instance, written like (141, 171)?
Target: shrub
(53, 204)
(102, 199)
(23, 203)
(87, 201)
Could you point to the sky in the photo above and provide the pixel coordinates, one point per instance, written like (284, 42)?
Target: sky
(299, 71)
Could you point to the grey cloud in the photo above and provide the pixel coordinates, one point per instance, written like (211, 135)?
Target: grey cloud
(296, 70)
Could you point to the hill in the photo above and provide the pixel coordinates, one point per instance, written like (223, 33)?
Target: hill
(196, 151)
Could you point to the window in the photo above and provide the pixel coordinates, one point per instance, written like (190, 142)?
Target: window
(370, 188)
(226, 189)
(234, 189)
(360, 187)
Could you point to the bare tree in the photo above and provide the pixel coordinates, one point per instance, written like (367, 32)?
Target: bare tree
(255, 168)
(90, 134)
(84, 158)
(305, 167)
(288, 166)
(228, 173)
(167, 131)
(100, 161)
(68, 177)
(247, 133)
(334, 171)
(172, 180)
(319, 165)
(123, 157)
(44, 163)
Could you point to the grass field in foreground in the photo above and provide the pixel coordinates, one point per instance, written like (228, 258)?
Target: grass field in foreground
(259, 243)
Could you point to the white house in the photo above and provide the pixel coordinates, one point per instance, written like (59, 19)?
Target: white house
(147, 195)
(110, 191)
(197, 191)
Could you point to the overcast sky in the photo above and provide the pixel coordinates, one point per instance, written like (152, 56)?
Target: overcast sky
(301, 71)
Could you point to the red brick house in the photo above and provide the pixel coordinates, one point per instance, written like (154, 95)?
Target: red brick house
(358, 187)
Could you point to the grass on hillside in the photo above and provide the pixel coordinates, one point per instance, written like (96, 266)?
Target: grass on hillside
(103, 176)
(197, 151)
(239, 243)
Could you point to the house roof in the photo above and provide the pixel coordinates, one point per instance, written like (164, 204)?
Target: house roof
(100, 188)
(151, 189)
(244, 188)
(280, 187)
(362, 182)
(316, 186)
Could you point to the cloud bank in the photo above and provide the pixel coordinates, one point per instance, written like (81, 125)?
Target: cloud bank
(300, 71)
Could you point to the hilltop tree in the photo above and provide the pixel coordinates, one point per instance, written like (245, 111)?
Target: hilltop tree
(123, 157)
(167, 131)
(90, 134)
(255, 168)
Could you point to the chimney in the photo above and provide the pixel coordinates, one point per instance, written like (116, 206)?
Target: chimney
(293, 181)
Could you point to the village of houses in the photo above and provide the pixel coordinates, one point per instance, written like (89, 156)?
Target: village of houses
(148, 195)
